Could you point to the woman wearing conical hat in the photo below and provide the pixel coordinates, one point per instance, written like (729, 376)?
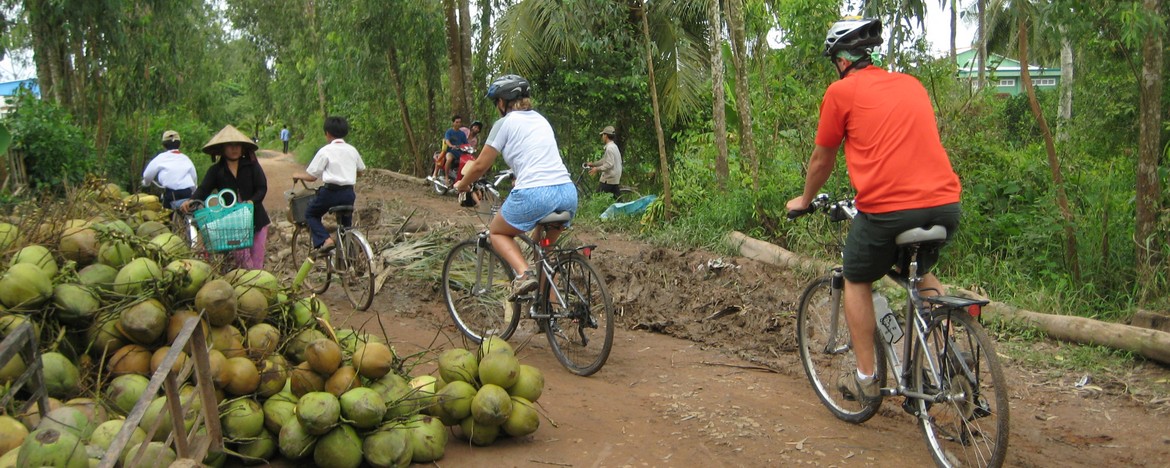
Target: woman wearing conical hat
(236, 168)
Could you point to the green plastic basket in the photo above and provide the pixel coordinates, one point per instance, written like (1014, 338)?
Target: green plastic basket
(225, 226)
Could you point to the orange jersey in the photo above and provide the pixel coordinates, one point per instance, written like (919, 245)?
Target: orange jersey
(895, 158)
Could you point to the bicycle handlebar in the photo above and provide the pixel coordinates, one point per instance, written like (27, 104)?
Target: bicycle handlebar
(840, 210)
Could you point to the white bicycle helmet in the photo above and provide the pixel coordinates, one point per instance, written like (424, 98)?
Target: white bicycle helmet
(853, 34)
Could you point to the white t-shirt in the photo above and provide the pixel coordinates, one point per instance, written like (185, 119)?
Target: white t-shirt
(172, 169)
(529, 147)
(336, 163)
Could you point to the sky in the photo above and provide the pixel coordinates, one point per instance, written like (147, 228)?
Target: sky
(937, 32)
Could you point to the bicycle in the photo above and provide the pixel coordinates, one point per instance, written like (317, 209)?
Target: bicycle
(351, 260)
(182, 223)
(585, 188)
(572, 304)
(947, 368)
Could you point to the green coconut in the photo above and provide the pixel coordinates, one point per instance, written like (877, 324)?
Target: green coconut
(349, 339)
(294, 442)
(12, 433)
(499, 368)
(12, 369)
(273, 376)
(70, 419)
(373, 360)
(136, 276)
(263, 280)
(104, 336)
(117, 226)
(455, 399)
(523, 419)
(261, 339)
(399, 400)
(491, 405)
(25, 287)
(218, 299)
(37, 255)
(98, 275)
(8, 235)
(124, 391)
(494, 343)
(258, 450)
(324, 356)
(150, 229)
(170, 245)
(279, 409)
(241, 419)
(144, 322)
(306, 310)
(76, 304)
(228, 340)
(529, 385)
(318, 412)
(80, 244)
(103, 436)
(52, 447)
(159, 413)
(61, 375)
(458, 364)
(187, 275)
(340, 448)
(115, 253)
(155, 454)
(478, 434)
(251, 304)
(388, 448)
(362, 407)
(242, 376)
(424, 387)
(428, 438)
(296, 347)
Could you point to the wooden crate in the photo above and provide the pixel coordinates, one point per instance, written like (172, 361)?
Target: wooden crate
(192, 446)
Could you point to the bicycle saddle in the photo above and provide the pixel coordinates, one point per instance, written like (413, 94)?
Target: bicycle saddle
(921, 235)
(341, 209)
(556, 217)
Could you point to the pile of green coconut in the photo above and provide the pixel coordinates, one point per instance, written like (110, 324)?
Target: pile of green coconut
(107, 287)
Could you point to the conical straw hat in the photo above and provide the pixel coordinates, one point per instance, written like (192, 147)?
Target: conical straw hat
(229, 134)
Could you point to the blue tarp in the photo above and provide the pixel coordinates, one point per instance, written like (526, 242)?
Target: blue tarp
(628, 208)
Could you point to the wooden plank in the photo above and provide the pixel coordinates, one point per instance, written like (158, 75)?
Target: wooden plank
(190, 337)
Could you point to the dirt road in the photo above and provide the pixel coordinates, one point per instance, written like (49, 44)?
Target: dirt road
(684, 390)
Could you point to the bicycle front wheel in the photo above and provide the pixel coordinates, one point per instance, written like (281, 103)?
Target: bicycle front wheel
(302, 248)
(580, 330)
(967, 424)
(476, 286)
(826, 350)
(627, 194)
(356, 269)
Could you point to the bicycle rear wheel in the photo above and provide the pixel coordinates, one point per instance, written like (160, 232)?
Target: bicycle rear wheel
(627, 194)
(356, 269)
(580, 332)
(476, 286)
(826, 350)
(968, 426)
(302, 248)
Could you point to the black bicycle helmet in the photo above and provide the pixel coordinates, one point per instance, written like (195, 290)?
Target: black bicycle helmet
(476, 123)
(853, 34)
(509, 88)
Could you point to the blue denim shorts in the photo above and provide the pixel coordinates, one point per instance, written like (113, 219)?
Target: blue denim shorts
(524, 207)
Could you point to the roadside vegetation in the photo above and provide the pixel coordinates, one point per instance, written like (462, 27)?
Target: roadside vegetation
(1084, 237)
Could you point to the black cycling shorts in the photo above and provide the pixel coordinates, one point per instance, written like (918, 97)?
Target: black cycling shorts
(870, 250)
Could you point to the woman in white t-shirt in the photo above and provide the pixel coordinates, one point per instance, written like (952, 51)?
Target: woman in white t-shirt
(543, 185)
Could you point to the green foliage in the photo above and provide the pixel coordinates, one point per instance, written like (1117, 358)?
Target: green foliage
(56, 151)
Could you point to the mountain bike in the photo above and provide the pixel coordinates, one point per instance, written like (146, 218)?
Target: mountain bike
(350, 261)
(572, 304)
(586, 189)
(946, 365)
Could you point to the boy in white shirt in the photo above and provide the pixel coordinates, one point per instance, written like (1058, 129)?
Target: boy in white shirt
(338, 165)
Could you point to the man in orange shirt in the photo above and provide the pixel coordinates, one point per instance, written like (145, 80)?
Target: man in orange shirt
(898, 167)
